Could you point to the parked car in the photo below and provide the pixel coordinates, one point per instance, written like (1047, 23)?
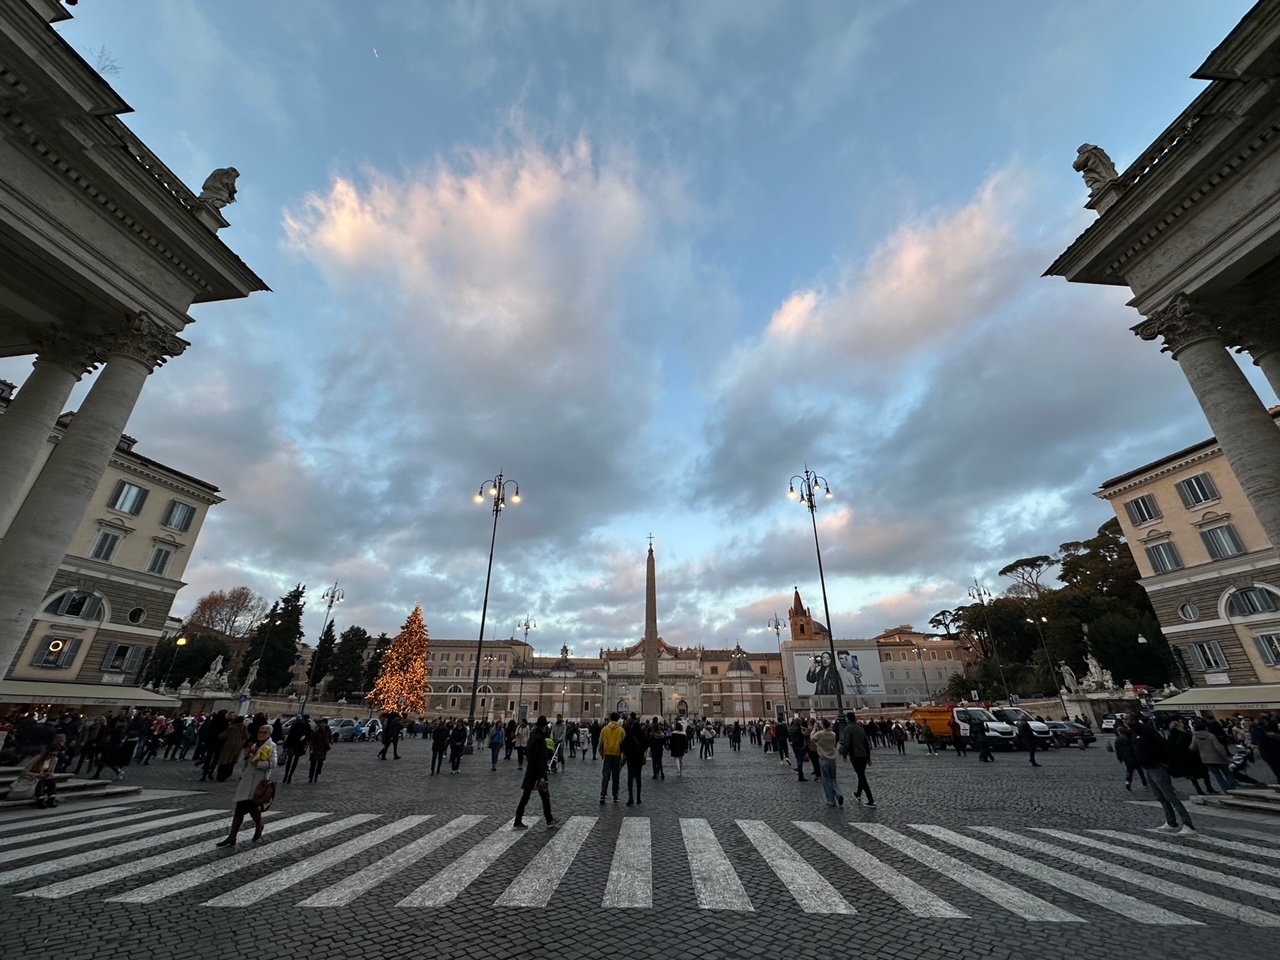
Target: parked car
(1015, 715)
(1069, 733)
(1110, 720)
(344, 729)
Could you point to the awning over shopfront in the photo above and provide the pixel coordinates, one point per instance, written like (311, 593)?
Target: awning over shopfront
(1264, 696)
(80, 694)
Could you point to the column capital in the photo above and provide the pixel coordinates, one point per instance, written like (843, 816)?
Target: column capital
(140, 338)
(1180, 323)
(71, 351)
(1255, 331)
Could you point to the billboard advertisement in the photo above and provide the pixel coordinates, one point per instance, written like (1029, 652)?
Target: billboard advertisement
(854, 672)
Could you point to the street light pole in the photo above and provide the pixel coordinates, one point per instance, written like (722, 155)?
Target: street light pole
(776, 624)
(1048, 660)
(810, 482)
(924, 672)
(981, 594)
(737, 661)
(331, 596)
(498, 492)
(177, 644)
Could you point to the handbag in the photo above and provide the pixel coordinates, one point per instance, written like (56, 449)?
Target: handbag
(264, 794)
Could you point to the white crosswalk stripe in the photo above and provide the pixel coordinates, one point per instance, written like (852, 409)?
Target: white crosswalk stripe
(918, 900)
(114, 874)
(53, 819)
(631, 874)
(808, 887)
(538, 881)
(304, 869)
(57, 846)
(715, 882)
(236, 862)
(1145, 881)
(1187, 869)
(1179, 849)
(453, 879)
(1121, 903)
(345, 891)
(822, 868)
(1004, 894)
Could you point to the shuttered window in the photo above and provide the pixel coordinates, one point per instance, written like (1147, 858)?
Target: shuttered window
(1197, 490)
(1208, 656)
(128, 498)
(1222, 542)
(1269, 647)
(1142, 509)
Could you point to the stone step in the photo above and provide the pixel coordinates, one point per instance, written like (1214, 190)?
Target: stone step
(7, 779)
(109, 792)
(73, 788)
(1258, 802)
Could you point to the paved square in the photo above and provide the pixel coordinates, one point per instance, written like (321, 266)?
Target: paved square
(736, 859)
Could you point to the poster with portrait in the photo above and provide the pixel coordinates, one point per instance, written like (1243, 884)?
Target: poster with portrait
(852, 672)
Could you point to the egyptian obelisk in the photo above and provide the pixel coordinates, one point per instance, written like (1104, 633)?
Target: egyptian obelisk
(651, 689)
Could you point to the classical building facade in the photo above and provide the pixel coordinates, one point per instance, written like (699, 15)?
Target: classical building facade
(108, 602)
(1192, 229)
(918, 666)
(1206, 562)
(103, 251)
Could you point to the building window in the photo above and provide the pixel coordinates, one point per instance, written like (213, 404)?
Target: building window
(1164, 557)
(104, 548)
(768, 706)
(86, 606)
(58, 653)
(933, 654)
(453, 701)
(137, 615)
(892, 675)
(511, 706)
(535, 706)
(458, 657)
(122, 658)
(1253, 600)
(1269, 647)
(502, 658)
(179, 516)
(1189, 611)
(715, 670)
(159, 563)
(128, 498)
(1197, 490)
(951, 655)
(906, 674)
(802, 628)
(764, 670)
(1222, 542)
(1142, 510)
(1208, 656)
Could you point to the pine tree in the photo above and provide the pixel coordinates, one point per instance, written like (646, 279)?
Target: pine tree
(373, 669)
(347, 669)
(274, 643)
(322, 659)
(403, 684)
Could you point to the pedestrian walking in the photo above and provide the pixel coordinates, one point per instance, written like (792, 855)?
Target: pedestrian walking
(957, 736)
(92, 736)
(611, 737)
(1125, 753)
(677, 745)
(495, 746)
(457, 743)
(255, 769)
(535, 777)
(595, 729)
(855, 745)
(211, 732)
(321, 741)
(296, 742)
(657, 740)
(439, 745)
(796, 735)
(1213, 755)
(1152, 752)
(1028, 740)
(232, 746)
(978, 734)
(706, 741)
(391, 729)
(899, 737)
(824, 741)
(930, 741)
(634, 745)
(508, 737)
(522, 743)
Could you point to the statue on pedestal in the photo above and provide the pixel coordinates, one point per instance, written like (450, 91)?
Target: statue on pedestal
(214, 678)
(1069, 682)
(1097, 679)
(252, 675)
(220, 187)
(1096, 167)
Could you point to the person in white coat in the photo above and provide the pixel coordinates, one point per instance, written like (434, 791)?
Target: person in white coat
(255, 767)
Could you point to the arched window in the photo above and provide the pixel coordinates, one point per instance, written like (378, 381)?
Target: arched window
(454, 688)
(73, 603)
(486, 689)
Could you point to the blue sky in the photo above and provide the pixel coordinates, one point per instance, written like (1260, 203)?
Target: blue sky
(651, 258)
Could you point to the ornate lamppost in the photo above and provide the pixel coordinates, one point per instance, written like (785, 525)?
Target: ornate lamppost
(776, 625)
(497, 492)
(330, 596)
(810, 484)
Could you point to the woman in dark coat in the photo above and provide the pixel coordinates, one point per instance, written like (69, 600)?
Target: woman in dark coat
(535, 775)
(1124, 753)
(1184, 761)
(634, 745)
(321, 741)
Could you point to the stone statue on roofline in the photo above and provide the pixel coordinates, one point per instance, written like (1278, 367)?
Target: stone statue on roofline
(220, 187)
(214, 678)
(1096, 167)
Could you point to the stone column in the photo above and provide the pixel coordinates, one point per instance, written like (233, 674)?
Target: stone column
(30, 417)
(43, 527)
(1257, 332)
(1249, 437)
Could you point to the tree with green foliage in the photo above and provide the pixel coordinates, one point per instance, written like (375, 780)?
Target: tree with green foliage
(190, 661)
(322, 659)
(274, 643)
(373, 669)
(346, 675)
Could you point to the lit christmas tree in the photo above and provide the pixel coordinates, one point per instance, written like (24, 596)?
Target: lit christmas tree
(402, 687)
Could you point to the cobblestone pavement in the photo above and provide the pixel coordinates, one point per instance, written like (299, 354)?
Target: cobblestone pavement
(737, 859)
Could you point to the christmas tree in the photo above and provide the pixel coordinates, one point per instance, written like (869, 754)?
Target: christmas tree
(403, 685)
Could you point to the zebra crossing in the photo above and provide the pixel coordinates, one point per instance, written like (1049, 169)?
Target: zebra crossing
(318, 859)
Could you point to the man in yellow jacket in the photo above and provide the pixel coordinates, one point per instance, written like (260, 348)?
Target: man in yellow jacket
(611, 749)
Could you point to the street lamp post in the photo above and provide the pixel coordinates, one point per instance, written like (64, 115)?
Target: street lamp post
(527, 624)
(497, 491)
(489, 660)
(981, 594)
(1048, 660)
(738, 663)
(776, 625)
(924, 672)
(810, 483)
(177, 645)
(331, 596)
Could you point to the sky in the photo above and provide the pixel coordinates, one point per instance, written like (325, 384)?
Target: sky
(650, 260)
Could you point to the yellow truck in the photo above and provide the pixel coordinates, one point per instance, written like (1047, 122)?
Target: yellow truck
(1000, 735)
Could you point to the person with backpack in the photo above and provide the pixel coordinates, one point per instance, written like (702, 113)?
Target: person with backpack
(496, 737)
